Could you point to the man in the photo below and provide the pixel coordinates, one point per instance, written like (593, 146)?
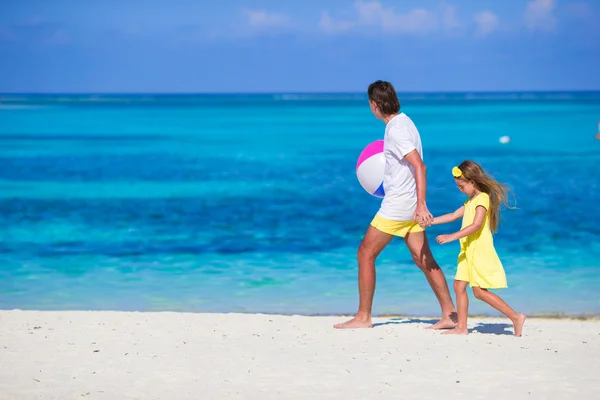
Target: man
(403, 211)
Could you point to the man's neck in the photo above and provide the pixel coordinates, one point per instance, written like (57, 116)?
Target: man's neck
(388, 118)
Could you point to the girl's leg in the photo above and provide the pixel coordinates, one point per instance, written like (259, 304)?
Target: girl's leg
(462, 303)
(495, 301)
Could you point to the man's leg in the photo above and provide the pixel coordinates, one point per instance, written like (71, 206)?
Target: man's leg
(421, 253)
(372, 244)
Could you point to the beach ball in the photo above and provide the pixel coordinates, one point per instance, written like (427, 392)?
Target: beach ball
(370, 168)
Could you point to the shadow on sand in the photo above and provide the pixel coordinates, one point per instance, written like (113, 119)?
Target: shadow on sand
(402, 321)
(481, 327)
(493, 329)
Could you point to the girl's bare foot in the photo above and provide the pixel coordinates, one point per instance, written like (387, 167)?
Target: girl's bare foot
(457, 331)
(355, 323)
(518, 323)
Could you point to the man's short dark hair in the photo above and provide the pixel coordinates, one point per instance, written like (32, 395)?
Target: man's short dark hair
(384, 95)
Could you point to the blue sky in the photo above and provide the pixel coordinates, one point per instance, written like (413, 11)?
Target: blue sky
(298, 46)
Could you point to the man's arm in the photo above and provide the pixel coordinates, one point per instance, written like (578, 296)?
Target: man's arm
(422, 214)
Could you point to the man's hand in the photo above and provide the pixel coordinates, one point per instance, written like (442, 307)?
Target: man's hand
(442, 239)
(423, 216)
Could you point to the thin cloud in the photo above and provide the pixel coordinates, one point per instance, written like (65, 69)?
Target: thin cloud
(539, 15)
(35, 20)
(332, 26)
(449, 18)
(57, 38)
(372, 15)
(35, 30)
(6, 34)
(581, 10)
(416, 21)
(487, 22)
(262, 19)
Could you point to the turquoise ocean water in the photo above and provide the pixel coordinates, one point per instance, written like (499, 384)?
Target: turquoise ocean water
(250, 203)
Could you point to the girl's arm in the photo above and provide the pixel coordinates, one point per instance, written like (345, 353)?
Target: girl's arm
(444, 219)
(467, 230)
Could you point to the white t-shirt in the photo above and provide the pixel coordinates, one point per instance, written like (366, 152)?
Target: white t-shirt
(400, 200)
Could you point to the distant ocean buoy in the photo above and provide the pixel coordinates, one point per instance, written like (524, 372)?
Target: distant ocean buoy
(504, 139)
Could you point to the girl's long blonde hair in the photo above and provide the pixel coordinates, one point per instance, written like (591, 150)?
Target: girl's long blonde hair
(471, 171)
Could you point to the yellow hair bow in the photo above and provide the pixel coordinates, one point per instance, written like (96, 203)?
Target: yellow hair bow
(457, 172)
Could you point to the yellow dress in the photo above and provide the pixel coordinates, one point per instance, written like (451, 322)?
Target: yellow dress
(478, 262)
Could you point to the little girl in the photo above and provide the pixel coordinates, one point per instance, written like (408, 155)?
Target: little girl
(478, 263)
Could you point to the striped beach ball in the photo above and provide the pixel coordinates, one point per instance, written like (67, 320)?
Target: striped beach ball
(370, 168)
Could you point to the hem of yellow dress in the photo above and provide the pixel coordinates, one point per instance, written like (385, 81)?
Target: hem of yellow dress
(487, 287)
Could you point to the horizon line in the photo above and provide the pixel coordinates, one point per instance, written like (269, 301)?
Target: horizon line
(302, 92)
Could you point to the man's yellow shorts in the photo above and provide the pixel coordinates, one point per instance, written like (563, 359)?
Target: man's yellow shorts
(396, 228)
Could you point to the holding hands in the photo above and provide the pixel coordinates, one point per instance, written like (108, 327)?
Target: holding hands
(422, 216)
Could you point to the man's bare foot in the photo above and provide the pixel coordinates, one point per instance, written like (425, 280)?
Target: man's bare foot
(355, 323)
(519, 324)
(448, 322)
(457, 331)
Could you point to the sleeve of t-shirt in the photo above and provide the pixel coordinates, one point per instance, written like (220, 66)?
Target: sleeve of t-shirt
(482, 199)
(401, 143)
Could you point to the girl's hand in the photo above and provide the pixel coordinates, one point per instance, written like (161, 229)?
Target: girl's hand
(442, 239)
(422, 223)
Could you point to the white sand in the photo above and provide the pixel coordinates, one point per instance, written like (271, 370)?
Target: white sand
(116, 355)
